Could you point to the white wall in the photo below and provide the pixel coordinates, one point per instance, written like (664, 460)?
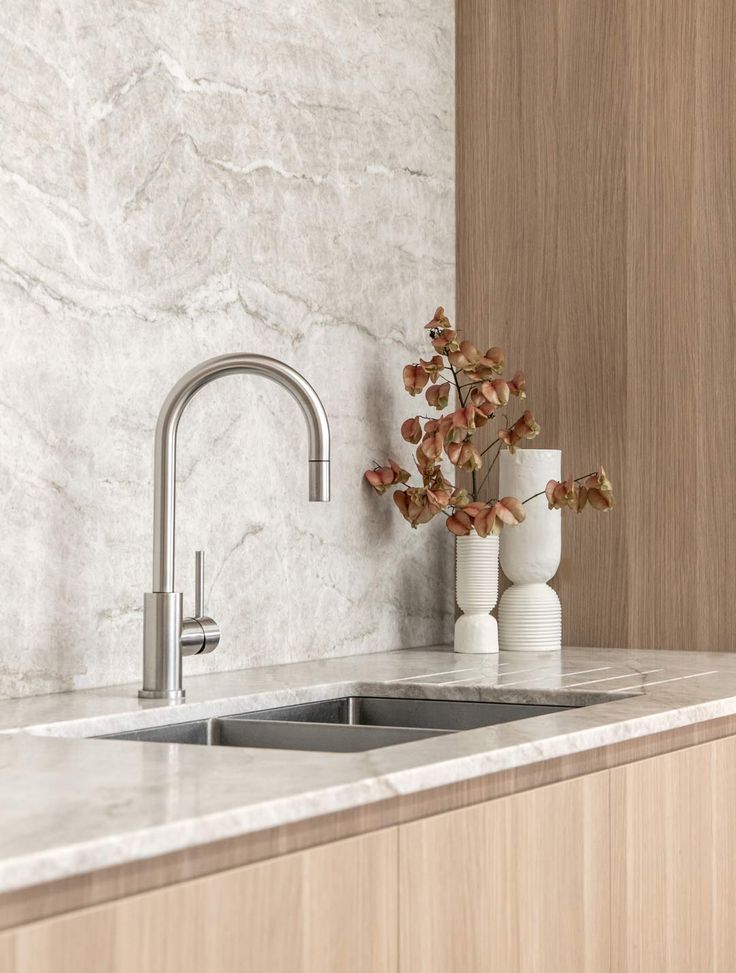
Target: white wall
(179, 180)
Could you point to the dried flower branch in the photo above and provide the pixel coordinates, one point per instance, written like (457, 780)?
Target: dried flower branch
(594, 489)
(450, 437)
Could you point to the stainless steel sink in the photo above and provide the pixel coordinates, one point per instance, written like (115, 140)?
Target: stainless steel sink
(436, 714)
(343, 725)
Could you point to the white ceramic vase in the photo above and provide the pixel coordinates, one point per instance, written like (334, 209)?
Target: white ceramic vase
(476, 589)
(530, 614)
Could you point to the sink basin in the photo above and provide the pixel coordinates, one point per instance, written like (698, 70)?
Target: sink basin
(436, 714)
(248, 731)
(347, 724)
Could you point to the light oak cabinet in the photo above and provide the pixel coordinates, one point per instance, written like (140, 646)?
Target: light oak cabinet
(516, 884)
(332, 908)
(673, 853)
(630, 870)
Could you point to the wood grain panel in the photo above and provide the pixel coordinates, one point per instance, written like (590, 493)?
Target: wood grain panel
(591, 378)
(715, 300)
(518, 884)
(596, 241)
(673, 853)
(7, 953)
(507, 181)
(326, 910)
(662, 334)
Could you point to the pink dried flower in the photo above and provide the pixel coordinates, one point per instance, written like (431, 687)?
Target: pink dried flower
(443, 425)
(600, 491)
(481, 403)
(415, 378)
(411, 430)
(432, 445)
(510, 511)
(464, 419)
(487, 365)
(438, 498)
(445, 342)
(459, 524)
(496, 392)
(465, 456)
(466, 356)
(460, 498)
(383, 477)
(438, 395)
(494, 516)
(415, 506)
(524, 428)
(433, 367)
(438, 321)
(562, 493)
(517, 385)
(596, 490)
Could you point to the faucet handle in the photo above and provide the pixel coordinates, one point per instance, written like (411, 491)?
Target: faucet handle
(198, 584)
(199, 634)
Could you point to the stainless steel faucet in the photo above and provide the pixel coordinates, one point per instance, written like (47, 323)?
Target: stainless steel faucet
(167, 635)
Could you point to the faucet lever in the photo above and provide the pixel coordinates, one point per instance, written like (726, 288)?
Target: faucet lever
(198, 584)
(201, 633)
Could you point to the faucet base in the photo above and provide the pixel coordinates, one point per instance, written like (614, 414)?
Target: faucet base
(162, 625)
(175, 695)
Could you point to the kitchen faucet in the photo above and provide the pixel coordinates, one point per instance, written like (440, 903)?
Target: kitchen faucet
(167, 635)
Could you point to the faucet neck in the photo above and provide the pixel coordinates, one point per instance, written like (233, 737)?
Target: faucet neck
(166, 435)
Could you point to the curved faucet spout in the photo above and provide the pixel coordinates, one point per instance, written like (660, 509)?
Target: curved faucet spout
(166, 433)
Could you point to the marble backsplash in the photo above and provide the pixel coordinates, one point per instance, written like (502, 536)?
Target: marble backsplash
(183, 180)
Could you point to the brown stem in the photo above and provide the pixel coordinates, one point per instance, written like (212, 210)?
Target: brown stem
(491, 465)
(496, 442)
(457, 386)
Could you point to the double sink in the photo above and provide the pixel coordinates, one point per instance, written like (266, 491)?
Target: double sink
(342, 725)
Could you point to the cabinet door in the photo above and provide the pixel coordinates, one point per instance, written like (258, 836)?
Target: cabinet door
(674, 862)
(515, 885)
(326, 910)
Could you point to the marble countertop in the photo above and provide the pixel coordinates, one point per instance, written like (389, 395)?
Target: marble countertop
(71, 805)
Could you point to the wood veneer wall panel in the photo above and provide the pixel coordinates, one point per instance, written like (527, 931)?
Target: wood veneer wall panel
(507, 180)
(596, 239)
(591, 378)
(715, 297)
(661, 342)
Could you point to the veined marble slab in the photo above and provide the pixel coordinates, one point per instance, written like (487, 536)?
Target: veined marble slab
(245, 176)
(72, 805)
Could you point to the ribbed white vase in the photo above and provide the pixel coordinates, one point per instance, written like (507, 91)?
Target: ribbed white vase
(530, 614)
(476, 589)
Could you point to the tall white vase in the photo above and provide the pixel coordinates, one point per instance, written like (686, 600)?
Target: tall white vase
(529, 614)
(476, 589)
